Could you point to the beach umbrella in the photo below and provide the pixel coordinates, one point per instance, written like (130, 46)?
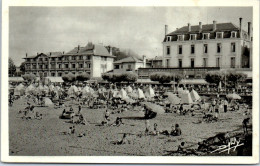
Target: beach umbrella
(72, 91)
(149, 93)
(173, 99)
(154, 107)
(140, 94)
(122, 94)
(233, 96)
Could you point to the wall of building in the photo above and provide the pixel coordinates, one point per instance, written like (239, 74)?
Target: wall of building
(212, 55)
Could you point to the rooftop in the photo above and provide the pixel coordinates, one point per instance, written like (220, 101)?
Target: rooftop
(129, 60)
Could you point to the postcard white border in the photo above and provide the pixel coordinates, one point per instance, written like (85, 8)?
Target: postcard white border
(126, 159)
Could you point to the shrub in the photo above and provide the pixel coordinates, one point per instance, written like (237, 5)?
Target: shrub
(29, 77)
(83, 77)
(69, 77)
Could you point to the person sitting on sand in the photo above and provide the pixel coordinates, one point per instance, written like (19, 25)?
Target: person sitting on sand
(177, 131)
(72, 130)
(79, 109)
(38, 116)
(82, 119)
(181, 147)
(147, 127)
(107, 114)
(155, 130)
(71, 109)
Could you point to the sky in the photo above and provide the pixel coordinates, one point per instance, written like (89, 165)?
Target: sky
(141, 29)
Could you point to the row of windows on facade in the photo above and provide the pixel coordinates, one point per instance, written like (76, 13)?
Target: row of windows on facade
(205, 36)
(67, 58)
(66, 66)
(129, 67)
(58, 74)
(205, 62)
(205, 48)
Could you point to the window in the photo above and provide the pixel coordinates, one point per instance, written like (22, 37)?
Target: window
(218, 62)
(73, 65)
(53, 74)
(53, 59)
(233, 47)
(129, 67)
(192, 49)
(66, 66)
(46, 66)
(40, 59)
(46, 59)
(103, 58)
(180, 37)
(205, 36)
(219, 35)
(233, 62)
(73, 57)
(192, 62)
(168, 50)
(45, 74)
(40, 66)
(59, 74)
(80, 57)
(60, 58)
(205, 62)
(88, 57)
(193, 37)
(180, 49)
(66, 58)
(219, 47)
(169, 38)
(88, 65)
(116, 66)
(233, 34)
(60, 66)
(205, 48)
(81, 65)
(53, 66)
(28, 60)
(34, 66)
(180, 63)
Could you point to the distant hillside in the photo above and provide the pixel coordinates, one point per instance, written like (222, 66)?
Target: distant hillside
(123, 53)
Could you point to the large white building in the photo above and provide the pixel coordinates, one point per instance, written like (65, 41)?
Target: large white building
(93, 59)
(222, 45)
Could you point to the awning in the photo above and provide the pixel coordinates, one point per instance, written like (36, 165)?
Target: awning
(55, 79)
(193, 81)
(16, 79)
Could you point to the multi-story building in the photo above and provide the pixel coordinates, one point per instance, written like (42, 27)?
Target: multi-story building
(93, 59)
(222, 45)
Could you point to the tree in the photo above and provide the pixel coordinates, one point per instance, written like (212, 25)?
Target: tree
(214, 77)
(120, 77)
(83, 77)
(161, 77)
(69, 77)
(29, 77)
(234, 78)
(12, 67)
(129, 77)
(22, 67)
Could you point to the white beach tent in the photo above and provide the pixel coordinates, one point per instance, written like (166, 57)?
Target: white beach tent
(129, 89)
(173, 99)
(194, 95)
(186, 98)
(140, 94)
(47, 102)
(122, 94)
(72, 91)
(30, 89)
(150, 92)
(19, 90)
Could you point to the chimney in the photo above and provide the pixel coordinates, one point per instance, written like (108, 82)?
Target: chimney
(166, 30)
(189, 27)
(144, 61)
(26, 55)
(240, 27)
(50, 53)
(200, 26)
(214, 25)
(63, 52)
(249, 30)
(78, 47)
(37, 53)
(110, 51)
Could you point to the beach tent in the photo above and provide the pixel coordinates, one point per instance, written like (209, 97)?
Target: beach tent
(180, 91)
(149, 93)
(233, 96)
(87, 91)
(40, 89)
(173, 99)
(133, 94)
(194, 95)
(186, 98)
(19, 90)
(47, 102)
(30, 89)
(122, 94)
(73, 91)
(51, 87)
(129, 89)
(154, 107)
(140, 94)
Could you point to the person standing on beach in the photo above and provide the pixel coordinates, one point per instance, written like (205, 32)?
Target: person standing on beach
(225, 105)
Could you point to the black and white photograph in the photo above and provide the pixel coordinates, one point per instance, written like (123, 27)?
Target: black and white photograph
(168, 81)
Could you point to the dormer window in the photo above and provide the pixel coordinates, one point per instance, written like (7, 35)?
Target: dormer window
(180, 37)
(205, 36)
(169, 38)
(219, 35)
(233, 34)
(193, 36)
